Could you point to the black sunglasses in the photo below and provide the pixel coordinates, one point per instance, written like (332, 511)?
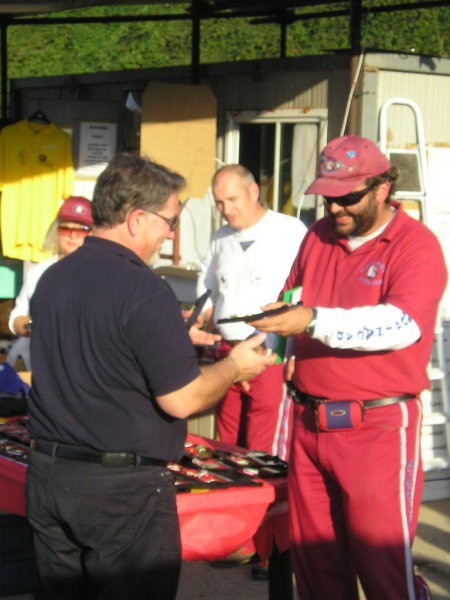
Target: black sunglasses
(350, 199)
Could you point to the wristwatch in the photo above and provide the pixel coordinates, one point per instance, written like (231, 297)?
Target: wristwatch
(312, 324)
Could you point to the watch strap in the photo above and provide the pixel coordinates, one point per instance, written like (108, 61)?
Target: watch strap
(312, 324)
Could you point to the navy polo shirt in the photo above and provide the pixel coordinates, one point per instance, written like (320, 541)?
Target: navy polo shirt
(108, 336)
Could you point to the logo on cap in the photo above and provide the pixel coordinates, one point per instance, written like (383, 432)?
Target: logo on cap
(328, 164)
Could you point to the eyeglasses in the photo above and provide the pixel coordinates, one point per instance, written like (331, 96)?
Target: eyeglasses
(350, 199)
(75, 231)
(172, 223)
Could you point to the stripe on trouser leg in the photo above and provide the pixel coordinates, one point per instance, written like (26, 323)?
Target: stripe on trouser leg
(408, 478)
(282, 430)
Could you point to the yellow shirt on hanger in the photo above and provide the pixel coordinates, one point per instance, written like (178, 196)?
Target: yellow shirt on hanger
(36, 174)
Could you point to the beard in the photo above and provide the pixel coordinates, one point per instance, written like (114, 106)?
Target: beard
(360, 222)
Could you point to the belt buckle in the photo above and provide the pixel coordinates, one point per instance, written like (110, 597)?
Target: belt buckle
(292, 392)
(118, 459)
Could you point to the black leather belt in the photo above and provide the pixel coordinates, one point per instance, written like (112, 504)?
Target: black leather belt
(313, 401)
(107, 459)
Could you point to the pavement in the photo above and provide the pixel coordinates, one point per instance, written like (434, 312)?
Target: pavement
(431, 552)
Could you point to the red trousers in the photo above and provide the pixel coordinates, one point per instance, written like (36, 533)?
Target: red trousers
(354, 500)
(260, 418)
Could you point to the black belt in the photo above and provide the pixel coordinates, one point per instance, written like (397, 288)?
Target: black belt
(313, 401)
(107, 459)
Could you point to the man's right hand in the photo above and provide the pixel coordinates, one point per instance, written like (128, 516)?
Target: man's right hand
(248, 357)
(244, 362)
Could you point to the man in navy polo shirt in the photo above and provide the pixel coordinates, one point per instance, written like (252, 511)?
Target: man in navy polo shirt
(115, 376)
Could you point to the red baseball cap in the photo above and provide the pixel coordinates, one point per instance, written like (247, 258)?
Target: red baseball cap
(77, 209)
(345, 163)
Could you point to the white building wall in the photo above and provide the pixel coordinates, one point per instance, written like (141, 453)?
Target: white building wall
(431, 93)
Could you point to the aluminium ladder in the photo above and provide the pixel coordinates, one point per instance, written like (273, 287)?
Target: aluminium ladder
(412, 192)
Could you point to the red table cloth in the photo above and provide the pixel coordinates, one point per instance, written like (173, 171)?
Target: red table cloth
(213, 523)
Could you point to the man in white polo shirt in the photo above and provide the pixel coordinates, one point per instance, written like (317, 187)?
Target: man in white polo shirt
(246, 266)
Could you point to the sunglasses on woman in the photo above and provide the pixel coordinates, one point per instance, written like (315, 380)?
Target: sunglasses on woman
(350, 199)
(68, 230)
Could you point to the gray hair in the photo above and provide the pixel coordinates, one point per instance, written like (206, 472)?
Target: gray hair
(129, 183)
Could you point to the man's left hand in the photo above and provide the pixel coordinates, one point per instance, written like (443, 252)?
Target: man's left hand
(199, 337)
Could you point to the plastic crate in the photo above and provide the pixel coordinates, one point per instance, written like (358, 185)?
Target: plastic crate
(17, 559)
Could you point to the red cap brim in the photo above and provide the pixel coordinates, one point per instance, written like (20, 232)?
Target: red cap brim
(328, 186)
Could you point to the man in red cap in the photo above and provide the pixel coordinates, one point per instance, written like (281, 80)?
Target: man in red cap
(372, 279)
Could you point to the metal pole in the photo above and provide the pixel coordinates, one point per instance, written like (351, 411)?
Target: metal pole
(283, 39)
(195, 50)
(355, 51)
(4, 68)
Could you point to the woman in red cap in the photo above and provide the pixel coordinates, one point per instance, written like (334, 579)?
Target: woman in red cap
(72, 224)
(65, 235)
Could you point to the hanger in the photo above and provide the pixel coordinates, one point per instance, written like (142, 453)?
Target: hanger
(39, 117)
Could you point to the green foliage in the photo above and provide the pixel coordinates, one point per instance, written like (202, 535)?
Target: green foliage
(47, 50)
(318, 36)
(237, 39)
(423, 31)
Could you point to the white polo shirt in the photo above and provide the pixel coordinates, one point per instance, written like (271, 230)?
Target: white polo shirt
(247, 269)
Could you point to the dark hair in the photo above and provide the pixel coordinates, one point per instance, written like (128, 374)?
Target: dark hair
(391, 175)
(130, 182)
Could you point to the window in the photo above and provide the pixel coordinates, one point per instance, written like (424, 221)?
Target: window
(281, 149)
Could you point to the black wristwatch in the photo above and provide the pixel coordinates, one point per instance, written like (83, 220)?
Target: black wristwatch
(312, 324)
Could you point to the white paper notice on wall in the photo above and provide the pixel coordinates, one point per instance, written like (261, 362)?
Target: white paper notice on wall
(98, 142)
